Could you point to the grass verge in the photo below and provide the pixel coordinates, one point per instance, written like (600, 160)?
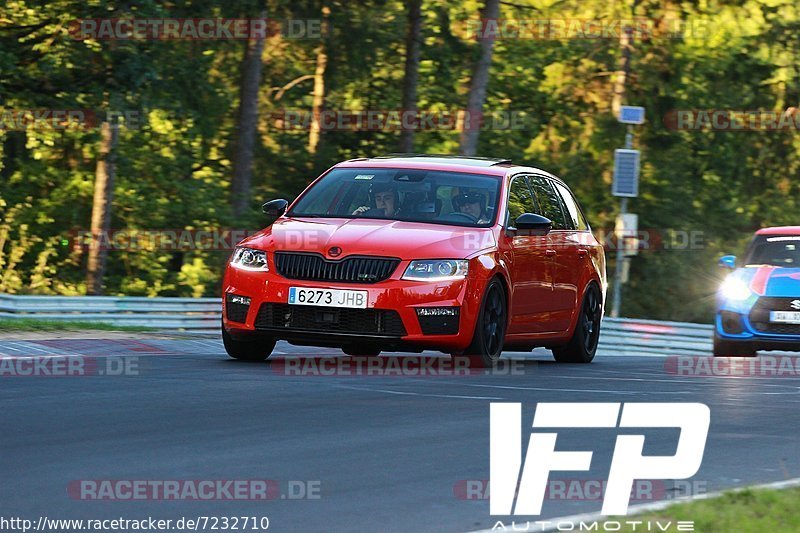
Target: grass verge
(10, 325)
(746, 511)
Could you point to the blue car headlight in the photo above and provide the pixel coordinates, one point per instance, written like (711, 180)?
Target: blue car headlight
(735, 289)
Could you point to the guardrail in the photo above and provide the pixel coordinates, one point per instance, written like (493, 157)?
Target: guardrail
(629, 336)
(170, 314)
(622, 336)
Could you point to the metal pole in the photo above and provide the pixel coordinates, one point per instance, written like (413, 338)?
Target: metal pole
(626, 40)
(623, 209)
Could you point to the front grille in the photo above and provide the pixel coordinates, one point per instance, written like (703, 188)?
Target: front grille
(235, 312)
(759, 316)
(307, 318)
(353, 269)
(782, 329)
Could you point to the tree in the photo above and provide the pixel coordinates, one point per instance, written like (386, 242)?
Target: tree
(471, 125)
(318, 100)
(411, 76)
(101, 207)
(246, 122)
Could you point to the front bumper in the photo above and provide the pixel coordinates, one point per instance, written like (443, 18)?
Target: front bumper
(733, 326)
(390, 320)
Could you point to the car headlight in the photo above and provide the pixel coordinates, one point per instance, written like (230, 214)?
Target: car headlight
(735, 289)
(436, 269)
(249, 259)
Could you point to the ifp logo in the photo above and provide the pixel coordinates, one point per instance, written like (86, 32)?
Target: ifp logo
(627, 463)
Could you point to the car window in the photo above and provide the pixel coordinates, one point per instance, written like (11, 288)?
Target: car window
(572, 209)
(519, 200)
(430, 196)
(549, 201)
(778, 250)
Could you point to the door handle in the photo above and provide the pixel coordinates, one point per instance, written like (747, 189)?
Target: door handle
(549, 253)
(583, 252)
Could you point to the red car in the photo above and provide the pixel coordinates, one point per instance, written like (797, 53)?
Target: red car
(462, 255)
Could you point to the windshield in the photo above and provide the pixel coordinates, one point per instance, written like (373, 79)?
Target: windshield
(400, 194)
(778, 250)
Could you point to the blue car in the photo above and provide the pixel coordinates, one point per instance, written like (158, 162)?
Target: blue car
(758, 304)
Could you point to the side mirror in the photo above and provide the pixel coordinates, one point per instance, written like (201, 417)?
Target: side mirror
(728, 261)
(532, 221)
(275, 208)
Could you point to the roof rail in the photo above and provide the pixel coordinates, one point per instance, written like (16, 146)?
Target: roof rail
(483, 161)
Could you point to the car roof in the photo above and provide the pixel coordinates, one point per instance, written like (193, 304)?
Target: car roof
(780, 230)
(469, 164)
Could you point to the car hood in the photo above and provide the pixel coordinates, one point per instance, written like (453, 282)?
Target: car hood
(771, 281)
(360, 236)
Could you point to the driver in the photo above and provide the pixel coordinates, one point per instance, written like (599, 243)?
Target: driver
(385, 198)
(472, 203)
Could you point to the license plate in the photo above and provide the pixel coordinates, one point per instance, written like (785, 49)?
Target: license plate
(785, 317)
(328, 297)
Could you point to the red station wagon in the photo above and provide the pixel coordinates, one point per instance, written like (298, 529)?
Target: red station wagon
(463, 255)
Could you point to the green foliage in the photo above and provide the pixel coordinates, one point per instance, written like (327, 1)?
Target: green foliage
(173, 170)
(748, 511)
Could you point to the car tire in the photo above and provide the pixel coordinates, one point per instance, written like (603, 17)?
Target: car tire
(361, 351)
(583, 344)
(732, 349)
(257, 349)
(490, 328)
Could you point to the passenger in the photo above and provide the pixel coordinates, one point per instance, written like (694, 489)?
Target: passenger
(472, 203)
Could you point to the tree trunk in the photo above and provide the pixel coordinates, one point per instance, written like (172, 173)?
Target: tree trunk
(470, 124)
(411, 78)
(624, 64)
(318, 100)
(246, 125)
(621, 77)
(101, 207)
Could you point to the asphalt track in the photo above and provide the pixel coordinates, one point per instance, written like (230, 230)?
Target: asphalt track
(388, 453)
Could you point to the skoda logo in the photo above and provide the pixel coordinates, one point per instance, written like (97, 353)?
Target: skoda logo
(335, 251)
(795, 304)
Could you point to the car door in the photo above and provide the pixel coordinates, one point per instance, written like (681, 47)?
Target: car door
(562, 250)
(531, 267)
(577, 247)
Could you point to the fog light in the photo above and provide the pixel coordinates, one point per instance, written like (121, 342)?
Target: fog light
(437, 311)
(732, 322)
(438, 320)
(237, 307)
